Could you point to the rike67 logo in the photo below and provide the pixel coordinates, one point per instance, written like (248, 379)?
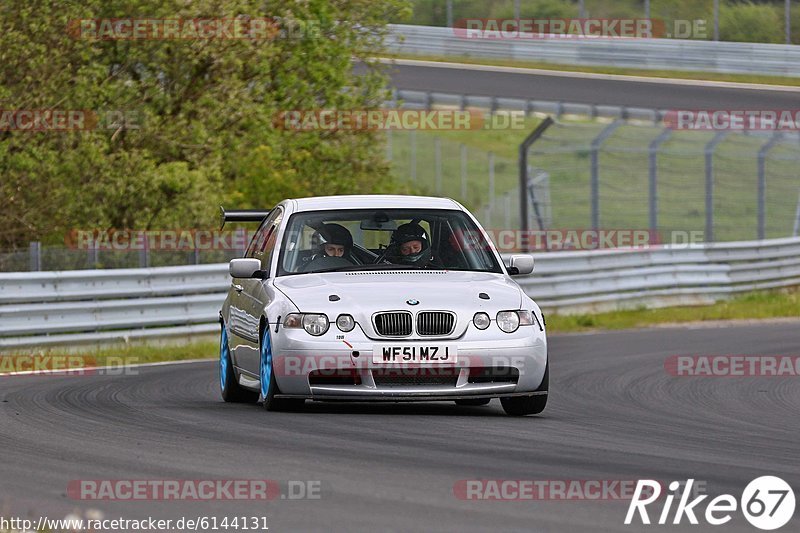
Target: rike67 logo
(767, 503)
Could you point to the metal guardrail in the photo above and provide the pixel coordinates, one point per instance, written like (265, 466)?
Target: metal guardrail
(428, 99)
(653, 54)
(58, 308)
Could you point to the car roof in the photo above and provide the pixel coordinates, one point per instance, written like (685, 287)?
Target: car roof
(372, 201)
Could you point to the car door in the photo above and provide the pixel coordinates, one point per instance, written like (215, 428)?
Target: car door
(239, 322)
(252, 296)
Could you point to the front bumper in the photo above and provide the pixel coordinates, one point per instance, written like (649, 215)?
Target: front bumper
(487, 366)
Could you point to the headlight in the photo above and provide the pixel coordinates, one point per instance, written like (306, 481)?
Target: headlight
(481, 320)
(345, 323)
(314, 323)
(508, 321)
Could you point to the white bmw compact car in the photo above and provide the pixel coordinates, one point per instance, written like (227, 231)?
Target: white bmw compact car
(379, 298)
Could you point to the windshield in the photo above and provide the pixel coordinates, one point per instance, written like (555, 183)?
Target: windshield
(327, 241)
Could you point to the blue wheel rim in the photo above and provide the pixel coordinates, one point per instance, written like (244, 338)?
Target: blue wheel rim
(224, 354)
(266, 364)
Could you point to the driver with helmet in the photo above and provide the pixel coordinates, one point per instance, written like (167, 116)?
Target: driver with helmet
(333, 244)
(411, 246)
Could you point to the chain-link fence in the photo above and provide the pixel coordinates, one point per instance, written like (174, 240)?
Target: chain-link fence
(614, 174)
(584, 173)
(728, 185)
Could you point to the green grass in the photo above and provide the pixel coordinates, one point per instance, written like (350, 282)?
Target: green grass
(129, 354)
(790, 81)
(755, 305)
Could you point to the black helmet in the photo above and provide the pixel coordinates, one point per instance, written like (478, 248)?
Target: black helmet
(412, 232)
(335, 234)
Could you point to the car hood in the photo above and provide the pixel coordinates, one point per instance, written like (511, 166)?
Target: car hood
(364, 293)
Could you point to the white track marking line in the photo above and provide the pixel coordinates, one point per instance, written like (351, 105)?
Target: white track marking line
(589, 75)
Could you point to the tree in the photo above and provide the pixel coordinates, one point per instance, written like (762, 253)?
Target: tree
(199, 112)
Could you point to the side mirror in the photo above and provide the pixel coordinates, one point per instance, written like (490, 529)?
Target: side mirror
(520, 265)
(244, 267)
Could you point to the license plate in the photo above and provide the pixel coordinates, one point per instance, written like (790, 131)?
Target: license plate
(432, 354)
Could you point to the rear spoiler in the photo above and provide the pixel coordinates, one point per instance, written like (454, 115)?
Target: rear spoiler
(242, 215)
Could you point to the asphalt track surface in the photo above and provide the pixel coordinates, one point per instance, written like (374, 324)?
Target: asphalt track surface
(588, 90)
(614, 414)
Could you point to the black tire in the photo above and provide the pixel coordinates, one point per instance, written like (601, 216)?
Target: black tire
(473, 402)
(529, 405)
(524, 405)
(268, 393)
(229, 386)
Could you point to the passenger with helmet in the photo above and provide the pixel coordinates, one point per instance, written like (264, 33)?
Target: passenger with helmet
(333, 245)
(411, 247)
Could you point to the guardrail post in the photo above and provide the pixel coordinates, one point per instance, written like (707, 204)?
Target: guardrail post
(508, 210)
(654, 148)
(413, 163)
(595, 170)
(437, 154)
(762, 183)
(491, 181)
(428, 100)
(796, 231)
(449, 13)
(463, 154)
(788, 19)
(242, 241)
(144, 253)
(35, 256)
(716, 20)
(92, 256)
(523, 181)
(709, 152)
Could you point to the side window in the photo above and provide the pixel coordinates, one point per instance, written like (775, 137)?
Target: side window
(264, 243)
(257, 242)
